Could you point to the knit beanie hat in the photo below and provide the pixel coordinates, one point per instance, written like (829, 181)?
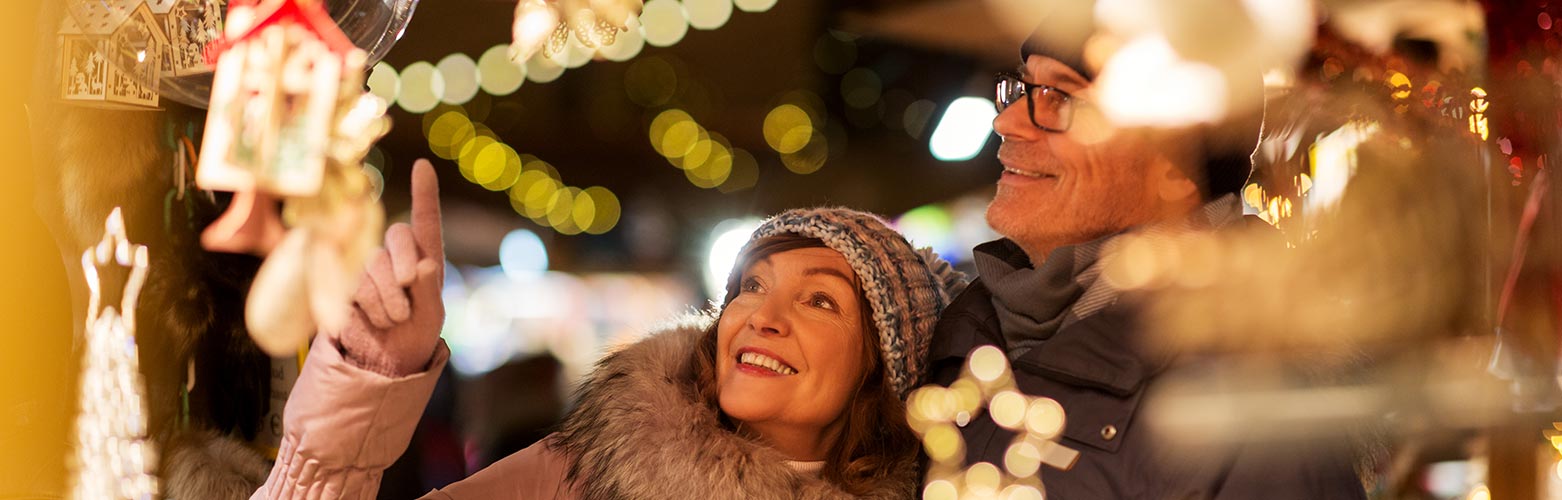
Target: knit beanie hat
(906, 288)
(1228, 146)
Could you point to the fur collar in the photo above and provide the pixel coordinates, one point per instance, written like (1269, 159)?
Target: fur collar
(639, 431)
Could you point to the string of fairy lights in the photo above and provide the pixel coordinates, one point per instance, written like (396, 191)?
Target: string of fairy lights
(536, 189)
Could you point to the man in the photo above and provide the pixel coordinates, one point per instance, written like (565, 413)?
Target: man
(1071, 183)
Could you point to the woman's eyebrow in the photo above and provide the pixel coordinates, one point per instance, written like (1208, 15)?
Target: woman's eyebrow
(828, 271)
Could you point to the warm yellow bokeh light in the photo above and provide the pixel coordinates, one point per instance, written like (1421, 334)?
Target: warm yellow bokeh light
(745, 172)
(708, 14)
(809, 159)
(421, 88)
(607, 210)
(663, 122)
(1007, 409)
(943, 442)
(541, 69)
(536, 198)
(1044, 418)
(384, 82)
(787, 128)
(497, 73)
(584, 212)
(663, 22)
(459, 73)
(681, 139)
(983, 479)
(448, 132)
(712, 172)
(988, 364)
(1022, 460)
(1021, 492)
(940, 489)
(561, 210)
(509, 173)
(490, 163)
(467, 156)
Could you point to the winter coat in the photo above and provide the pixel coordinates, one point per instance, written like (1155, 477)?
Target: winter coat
(638, 431)
(1092, 367)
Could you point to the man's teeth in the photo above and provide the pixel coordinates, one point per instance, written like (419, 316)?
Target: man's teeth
(1036, 175)
(763, 361)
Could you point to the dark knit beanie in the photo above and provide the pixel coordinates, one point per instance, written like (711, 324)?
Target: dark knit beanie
(906, 288)
(1227, 146)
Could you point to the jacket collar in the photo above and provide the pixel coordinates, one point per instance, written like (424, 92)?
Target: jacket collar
(639, 431)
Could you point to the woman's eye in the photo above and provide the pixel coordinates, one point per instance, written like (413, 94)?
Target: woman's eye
(750, 285)
(821, 301)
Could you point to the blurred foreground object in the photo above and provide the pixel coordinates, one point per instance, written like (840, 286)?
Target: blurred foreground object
(114, 456)
(127, 52)
(934, 412)
(546, 25)
(290, 120)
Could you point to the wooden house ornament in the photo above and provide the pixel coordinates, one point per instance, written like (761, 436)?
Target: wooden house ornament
(281, 72)
(193, 28)
(111, 54)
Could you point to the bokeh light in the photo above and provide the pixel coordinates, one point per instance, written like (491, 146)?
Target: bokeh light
(522, 254)
(497, 73)
(421, 88)
(745, 172)
(664, 22)
(543, 70)
(607, 210)
(754, 5)
(988, 363)
(449, 130)
(650, 81)
(810, 158)
(383, 82)
(963, 131)
(940, 489)
(708, 14)
(726, 240)
(1007, 409)
(861, 88)
(1022, 459)
(983, 479)
(459, 72)
(468, 153)
(788, 128)
(627, 45)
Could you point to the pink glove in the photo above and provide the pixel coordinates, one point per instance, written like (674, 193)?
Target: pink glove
(397, 310)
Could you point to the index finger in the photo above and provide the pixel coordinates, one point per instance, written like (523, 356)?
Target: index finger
(427, 230)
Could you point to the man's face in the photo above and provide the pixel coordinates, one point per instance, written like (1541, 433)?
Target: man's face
(1064, 188)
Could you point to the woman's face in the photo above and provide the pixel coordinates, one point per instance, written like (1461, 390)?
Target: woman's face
(789, 347)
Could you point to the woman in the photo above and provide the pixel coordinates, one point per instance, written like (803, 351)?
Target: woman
(794, 390)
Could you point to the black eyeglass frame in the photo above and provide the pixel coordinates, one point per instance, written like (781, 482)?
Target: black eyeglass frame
(1065, 108)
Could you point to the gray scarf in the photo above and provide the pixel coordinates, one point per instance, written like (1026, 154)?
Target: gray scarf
(1034, 303)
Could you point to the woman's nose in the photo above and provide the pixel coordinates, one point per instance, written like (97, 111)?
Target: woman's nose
(771, 317)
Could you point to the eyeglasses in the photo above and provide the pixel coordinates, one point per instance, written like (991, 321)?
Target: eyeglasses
(1053, 113)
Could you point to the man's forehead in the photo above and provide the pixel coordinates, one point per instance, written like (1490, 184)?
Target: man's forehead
(1048, 71)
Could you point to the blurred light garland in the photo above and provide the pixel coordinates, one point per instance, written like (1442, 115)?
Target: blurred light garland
(935, 414)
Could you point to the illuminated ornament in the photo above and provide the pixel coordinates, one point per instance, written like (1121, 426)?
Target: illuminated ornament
(1478, 106)
(546, 25)
(113, 457)
(111, 54)
(290, 122)
(936, 413)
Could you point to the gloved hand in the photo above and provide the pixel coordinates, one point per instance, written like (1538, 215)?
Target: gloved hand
(397, 310)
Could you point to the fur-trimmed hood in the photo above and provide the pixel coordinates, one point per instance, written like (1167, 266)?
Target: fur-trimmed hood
(639, 430)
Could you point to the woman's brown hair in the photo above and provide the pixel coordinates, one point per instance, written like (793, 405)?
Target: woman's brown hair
(875, 437)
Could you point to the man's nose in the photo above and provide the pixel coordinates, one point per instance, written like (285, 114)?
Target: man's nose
(1014, 122)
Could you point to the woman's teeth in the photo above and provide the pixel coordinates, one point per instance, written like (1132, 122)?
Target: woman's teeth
(767, 362)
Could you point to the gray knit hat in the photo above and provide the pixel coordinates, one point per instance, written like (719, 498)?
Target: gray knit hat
(906, 288)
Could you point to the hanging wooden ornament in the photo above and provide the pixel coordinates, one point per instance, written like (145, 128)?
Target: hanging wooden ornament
(192, 28)
(111, 54)
(291, 123)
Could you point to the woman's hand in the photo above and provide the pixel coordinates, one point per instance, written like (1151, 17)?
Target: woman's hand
(397, 310)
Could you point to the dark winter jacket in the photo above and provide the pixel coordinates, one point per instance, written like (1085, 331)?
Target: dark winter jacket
(1094, 368)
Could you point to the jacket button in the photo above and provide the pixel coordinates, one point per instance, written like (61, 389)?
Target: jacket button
(1109, 432)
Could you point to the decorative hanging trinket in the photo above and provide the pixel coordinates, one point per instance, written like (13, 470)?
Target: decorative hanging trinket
(111, 54)
(290, 122)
